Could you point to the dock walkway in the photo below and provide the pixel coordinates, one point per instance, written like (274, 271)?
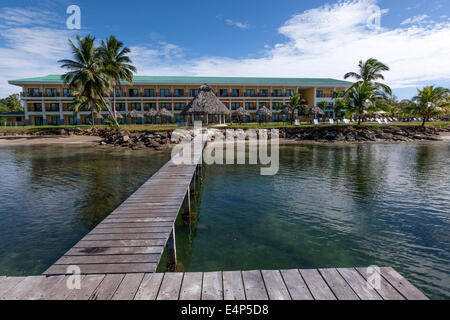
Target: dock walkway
(294, 284)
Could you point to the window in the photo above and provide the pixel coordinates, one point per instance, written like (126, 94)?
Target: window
(67, 92)
(164, 92)
(319, 93)
(179, 106)
(235, 105)
(119, 93)
(149, 92)
(133, 92)
(263, 92)
(120, 106)
(73, 120)
(250, 92)
(150, 105)
(136, 106)
(55, 121)
(54, 107)
(33, 92)
(193, 92)
(289, 92)
(236, 92)
(165, 105)
(262, 104)
(250, 106)
(50, 92)
(275, 105)
(38, 107)
(223, 92)
(277, 92)
(179, 93)
(18, 119)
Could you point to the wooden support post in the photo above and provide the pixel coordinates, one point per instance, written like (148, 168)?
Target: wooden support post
(172, 250)
(192, 184)
(187, 203)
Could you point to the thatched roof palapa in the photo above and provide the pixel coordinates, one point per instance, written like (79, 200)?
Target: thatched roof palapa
(287, 110)
(263, 111)
(117, 115)
(206, 102)
(151, 113)
(164, 113)
(241, 112)
(316, 110)
(135, 114)
(97, 115)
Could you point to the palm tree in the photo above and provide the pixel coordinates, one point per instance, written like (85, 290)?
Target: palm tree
(116, 63)
(81, 103)
(296, 102)
(370, 71)
(361, 97)
(86, 74)
(430, 101)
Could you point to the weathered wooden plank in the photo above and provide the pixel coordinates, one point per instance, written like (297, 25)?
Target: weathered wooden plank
(212, 288)
(385, 289)
(115, 250)
(107, 287)
(128, 287)
(87, 287)
(405, 287)
(59, 269)
(359, 284)
(191, 289)
(125, 236)
(62, 289)
(120, 243)
(317, 286)
(43, 287)
(107, 224)
(170, 286)
(162, 220)
(233, 285)
(131, 230)
(9, 283)
(108, 259)
(295, 284)
(254, 285)
(338, 285)
(149, 288)
(276, 289)
(19, 290)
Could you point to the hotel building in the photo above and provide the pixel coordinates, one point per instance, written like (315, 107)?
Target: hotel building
(47, 100)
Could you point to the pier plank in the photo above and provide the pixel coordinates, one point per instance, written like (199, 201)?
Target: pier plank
(108, 259)
(43, 287)
(317, 286)
(359, 284)
(212, 288)
(191, 288)
(275, 286)
(8, 284)
(295, 284)
(170, 286)
(128, 287)
(405, 287)
(233, 285)
(254, 285)
(60, 269)
(115, 250)
(88, 286)
(149, 288)
(107, 287)
(338, 285)
(19, 290)
(386, 290)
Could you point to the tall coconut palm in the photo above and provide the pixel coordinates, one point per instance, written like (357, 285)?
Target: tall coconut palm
(430, 101)
(117, 64)
(296, 102)
(361, 97)
(86, 74)
(81, 103)
(369, 72)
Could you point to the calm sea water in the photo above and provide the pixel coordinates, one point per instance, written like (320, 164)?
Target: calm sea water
(329, 206)
(51, 196)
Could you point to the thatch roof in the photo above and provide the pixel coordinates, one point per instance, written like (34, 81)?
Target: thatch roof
(316, 110)
(151, 113)
(118, 115)
(241, 112)
(206, 102)
(135, 114)
(164, 113)
(263, 111)
(97, 115)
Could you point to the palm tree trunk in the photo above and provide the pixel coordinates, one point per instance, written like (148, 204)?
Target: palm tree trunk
(109, 111)
(423, 122)
(92, 117)
(114, 102)
(359, 120)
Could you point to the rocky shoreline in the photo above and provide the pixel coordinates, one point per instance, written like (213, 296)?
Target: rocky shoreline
(321, 134)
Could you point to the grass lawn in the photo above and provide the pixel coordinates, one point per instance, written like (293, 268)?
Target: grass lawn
(170, 127)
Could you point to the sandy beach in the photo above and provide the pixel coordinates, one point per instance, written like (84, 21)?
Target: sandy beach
(45, 140)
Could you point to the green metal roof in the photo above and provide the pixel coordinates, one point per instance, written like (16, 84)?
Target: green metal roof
(13, 113)
(310, 82)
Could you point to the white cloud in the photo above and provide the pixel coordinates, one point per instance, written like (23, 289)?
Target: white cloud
(416, 20)
(240, 25)
(327, 41)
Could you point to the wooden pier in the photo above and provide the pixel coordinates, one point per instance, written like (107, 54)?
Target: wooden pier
(294, 284)
(133, 237)
(117, 260)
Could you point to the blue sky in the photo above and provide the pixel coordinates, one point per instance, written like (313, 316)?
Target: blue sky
(238, 38)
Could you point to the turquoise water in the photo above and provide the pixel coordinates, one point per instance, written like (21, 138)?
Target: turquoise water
(329, 206)
(51, 196)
